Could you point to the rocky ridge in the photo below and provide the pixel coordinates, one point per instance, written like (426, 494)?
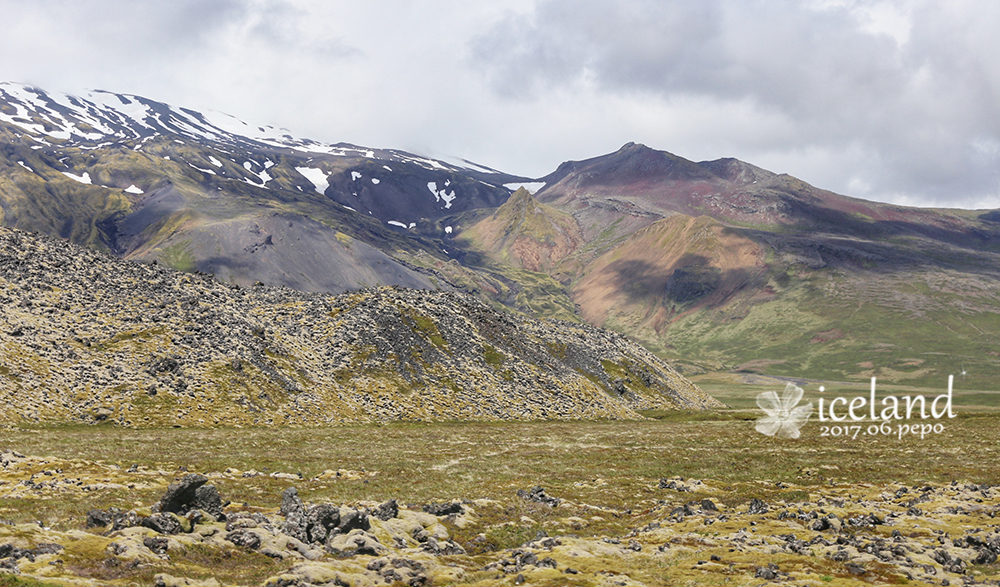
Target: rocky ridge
(87, 337)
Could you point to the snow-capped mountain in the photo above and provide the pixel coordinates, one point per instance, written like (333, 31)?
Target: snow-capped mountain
(102, 119)
(206, 191)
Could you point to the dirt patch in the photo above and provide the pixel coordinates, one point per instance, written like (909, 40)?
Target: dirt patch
(827, 336)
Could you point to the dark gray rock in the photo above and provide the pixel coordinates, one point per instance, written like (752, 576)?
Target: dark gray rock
(985, 556)
(444, 509)
(757, 507)
(113, 519)
(321, 520)
(537, 494)
(290, 502)
(296, 526)
(387, 510)
(96, 518)
(353, 519)
(180, 495)
(163, 524)
(157, 544)
(244, 539)
(208, 500)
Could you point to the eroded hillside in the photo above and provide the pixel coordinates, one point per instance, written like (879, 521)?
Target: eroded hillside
(89, 337)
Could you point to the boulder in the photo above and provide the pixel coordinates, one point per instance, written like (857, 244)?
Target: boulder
(443, 509)
(537, 494)
(290, 502)
(387, 510)
(164, 523)
(321, 520)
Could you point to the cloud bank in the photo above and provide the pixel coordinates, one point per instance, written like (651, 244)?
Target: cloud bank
(887, 100)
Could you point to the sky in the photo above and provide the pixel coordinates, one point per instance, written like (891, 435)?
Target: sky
(884, 100)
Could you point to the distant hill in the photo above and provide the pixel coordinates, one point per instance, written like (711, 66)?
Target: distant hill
(86, 337)
(721, 265)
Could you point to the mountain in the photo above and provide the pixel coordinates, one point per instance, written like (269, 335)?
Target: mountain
(722, 265)
(714, 265)
(206, 192)
(88, 337)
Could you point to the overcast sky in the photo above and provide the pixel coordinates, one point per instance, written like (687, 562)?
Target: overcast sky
(892, 101)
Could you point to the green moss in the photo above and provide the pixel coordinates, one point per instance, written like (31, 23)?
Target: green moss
(122, 337)
(558, 350)
(178, 256)
(425, 326)
(511, 535)
(492, 356)
(15, 581)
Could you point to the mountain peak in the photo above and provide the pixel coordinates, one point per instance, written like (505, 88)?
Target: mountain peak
(100, 117)
(736, 171)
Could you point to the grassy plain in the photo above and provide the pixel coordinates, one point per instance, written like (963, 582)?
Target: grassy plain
(606, 472)
(606, 464)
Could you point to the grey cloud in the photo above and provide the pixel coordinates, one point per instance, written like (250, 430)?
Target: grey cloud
(282, 25)
(822, 89)
(921, 106)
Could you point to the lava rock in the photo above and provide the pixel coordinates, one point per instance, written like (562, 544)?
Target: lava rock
(444, 509)
(537, 494)
(387, 510)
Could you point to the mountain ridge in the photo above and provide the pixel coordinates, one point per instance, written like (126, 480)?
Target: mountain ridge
(720, 264)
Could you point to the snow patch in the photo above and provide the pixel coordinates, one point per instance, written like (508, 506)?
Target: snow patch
(208, 171)
(132, 189)
(22, 164)
(442, 194)
(375, 181)
(387, 168)
(395, 223)
(447, 230)
(215, 161)
(355, 176)
(263, 175)
(85, 178)
(317, 176)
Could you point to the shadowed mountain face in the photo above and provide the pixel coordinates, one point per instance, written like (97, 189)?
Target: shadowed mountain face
(716, 264)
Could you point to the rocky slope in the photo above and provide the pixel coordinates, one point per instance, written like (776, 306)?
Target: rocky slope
(828, 535)
(89, 337)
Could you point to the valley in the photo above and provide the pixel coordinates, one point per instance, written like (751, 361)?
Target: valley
(230, 356)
